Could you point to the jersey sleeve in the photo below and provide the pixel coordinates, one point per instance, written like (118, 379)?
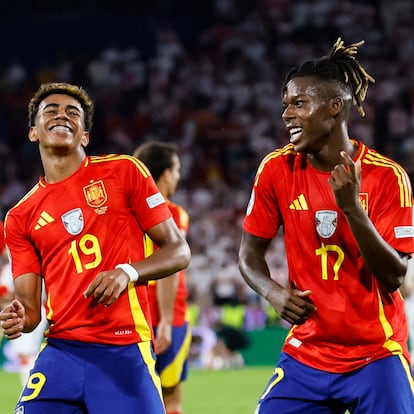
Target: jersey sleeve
(24, 257)
(263, 217)
(393, 212)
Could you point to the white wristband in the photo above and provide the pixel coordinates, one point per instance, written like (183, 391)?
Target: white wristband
(129, 270)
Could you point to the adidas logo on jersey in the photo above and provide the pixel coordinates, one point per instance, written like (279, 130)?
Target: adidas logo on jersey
(43, 220)
(299, 203)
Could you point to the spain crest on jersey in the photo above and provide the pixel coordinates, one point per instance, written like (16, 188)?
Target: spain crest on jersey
(73, 221)
(326, 222)
(95, 194)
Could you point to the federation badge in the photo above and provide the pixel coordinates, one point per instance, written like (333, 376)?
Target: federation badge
(95, 194)
(326, 222)
(73, 221)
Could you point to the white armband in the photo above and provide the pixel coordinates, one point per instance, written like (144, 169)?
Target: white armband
(129, 270)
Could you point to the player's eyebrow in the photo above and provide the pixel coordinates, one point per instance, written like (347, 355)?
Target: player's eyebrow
(55, 105)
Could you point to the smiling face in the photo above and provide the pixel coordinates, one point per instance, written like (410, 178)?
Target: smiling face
(60, 124)
(310, 113)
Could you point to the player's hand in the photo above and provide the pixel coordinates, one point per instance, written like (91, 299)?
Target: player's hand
(12, 320)
(107, 286)
(345, 182)
(293, 305)
(163, 338)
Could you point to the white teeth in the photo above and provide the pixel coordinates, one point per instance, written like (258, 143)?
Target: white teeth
(61, 128)
(296, 130)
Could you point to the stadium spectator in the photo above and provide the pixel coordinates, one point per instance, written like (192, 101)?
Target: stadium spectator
(73, 231)
(168, 296)
(346, 212)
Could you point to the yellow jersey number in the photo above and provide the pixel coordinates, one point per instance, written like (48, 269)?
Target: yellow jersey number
(88, 246)
(323, 251)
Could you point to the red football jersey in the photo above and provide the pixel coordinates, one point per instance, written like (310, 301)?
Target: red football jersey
(69, 231)
(181, 218)
(356, 320)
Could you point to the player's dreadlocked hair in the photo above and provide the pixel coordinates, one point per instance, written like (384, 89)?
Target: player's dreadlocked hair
(341, 66)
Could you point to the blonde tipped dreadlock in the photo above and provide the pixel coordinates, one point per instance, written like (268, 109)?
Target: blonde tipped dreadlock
(354, 74)
(340, 65)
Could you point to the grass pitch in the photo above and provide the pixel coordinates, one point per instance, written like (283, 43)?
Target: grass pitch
(233, 391)
(9, 391)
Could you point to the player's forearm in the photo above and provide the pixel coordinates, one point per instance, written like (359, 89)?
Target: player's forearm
(31, 321)
(382, 260)
(255, 270)
(166, 293)
(28, 291)
(252, 264)
(165, 261)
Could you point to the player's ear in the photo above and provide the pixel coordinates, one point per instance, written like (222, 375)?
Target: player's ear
(33, 134)
(336, 105)
(85, 139)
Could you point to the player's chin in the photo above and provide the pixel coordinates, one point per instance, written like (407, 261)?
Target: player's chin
(298, 146)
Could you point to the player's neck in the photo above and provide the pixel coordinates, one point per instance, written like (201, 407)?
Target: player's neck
(58, 168)
(329, 157)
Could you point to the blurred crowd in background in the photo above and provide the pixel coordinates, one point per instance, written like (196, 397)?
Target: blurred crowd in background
(208, 77)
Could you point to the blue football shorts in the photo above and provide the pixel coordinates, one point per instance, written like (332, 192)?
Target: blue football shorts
(172, 365)
(79, 377)
(383, 386)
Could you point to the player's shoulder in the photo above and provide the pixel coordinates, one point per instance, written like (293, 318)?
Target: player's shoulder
(116, 161)
(27, 200)
(372, 159)
(370, 156)
(283, 157)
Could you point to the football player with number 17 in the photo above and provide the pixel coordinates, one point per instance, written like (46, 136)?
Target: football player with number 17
(346, 212)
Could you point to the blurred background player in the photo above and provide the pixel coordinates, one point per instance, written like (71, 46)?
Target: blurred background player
(168, 297)
(346, 212)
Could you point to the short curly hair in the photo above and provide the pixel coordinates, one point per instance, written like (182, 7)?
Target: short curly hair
(62, 88)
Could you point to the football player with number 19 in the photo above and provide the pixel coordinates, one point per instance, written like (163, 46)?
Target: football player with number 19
(346, 212)
(73, 229)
